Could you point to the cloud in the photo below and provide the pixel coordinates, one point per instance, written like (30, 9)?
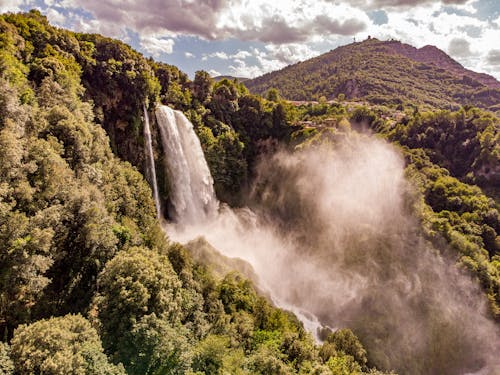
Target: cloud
(157, 16)
(214, 73)
(459, 47)
(224, 56)
(240, 68)
(272, 57)
(218, 55)
(11, 5)
(278, 30)
(493, 57)
(56, 17)
(242, 54)
(157, 46)
(472, 31)
(289, 53)
(402, 4)
(188, 55)
(278, 22)
(323, 23)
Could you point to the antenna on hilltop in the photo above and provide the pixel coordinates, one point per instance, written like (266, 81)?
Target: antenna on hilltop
(354, 39)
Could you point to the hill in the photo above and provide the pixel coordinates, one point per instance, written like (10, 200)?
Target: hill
(384, 72)
(231, 78)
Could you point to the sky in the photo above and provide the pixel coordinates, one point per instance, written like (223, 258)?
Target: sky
(247, 38)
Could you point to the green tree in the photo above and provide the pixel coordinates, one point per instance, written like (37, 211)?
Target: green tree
(345, 341)
(154, 346)
(273, 95)
(344, 365)
(209, 354)
(6, 364)
(60, 346)
(202, 86)
(135, 283)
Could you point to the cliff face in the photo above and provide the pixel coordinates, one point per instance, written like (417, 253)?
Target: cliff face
(118, 81)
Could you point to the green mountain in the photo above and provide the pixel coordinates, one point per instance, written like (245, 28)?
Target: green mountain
(384, 72)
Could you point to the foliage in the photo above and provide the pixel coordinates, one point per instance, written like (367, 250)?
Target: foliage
(65, 200)
(58, 346)
(135, 283)
(381, 72)
(6, 364)
(465, 142)
(346, 342)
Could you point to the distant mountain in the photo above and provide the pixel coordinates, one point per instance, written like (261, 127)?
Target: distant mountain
(384, 72)
(231, 78)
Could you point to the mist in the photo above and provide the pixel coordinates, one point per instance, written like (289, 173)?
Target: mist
(333, 237)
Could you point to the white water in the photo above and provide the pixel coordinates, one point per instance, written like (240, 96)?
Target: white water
(192, 193)
(151, 162)
(235, 233)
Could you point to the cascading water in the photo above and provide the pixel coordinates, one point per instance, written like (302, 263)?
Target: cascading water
(194, 202)
(334, 243)
(192, 193)
(151, 162)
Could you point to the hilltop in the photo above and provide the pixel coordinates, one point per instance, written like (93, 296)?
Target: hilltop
(384, 72)
(231, 78)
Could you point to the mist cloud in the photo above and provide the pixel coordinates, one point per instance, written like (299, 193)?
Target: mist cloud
(332, 237)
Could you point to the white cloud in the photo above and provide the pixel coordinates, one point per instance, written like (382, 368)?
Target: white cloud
(219, 55)
(56, 17)
(290, 53)
(213, 73)
(189, 55)
(240, 68)
(272, 57)
(241, 55)
(493, 57)
(157, 46)
(224, 56)
(11, 5)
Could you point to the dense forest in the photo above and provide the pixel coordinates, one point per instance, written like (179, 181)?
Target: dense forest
(90, 283)
(383, 72)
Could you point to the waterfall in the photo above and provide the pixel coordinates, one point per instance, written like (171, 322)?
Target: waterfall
(192, 194)
(151, 162)
(350, 255)
(235, 233)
